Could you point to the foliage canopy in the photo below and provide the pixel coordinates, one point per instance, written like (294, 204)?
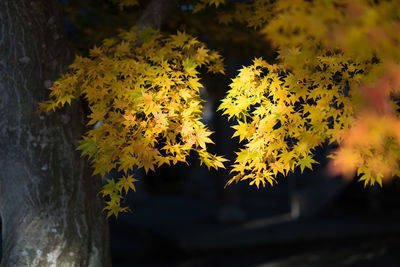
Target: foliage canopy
(335, 80)
(143, 93)
(336, 72)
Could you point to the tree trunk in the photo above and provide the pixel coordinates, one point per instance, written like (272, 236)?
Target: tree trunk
(51, 214)
(156, 13)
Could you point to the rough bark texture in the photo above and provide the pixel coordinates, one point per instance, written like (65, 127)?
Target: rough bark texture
(50, 211)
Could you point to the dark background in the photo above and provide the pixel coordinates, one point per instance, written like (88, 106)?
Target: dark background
(183, 216)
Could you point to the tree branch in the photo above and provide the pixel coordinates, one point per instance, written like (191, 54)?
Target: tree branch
(156, 13)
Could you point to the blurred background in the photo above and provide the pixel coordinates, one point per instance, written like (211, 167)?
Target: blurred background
(183, 216)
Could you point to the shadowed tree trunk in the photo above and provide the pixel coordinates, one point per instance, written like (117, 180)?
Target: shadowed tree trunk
(49, 203)
(50, 210)
(156, 13)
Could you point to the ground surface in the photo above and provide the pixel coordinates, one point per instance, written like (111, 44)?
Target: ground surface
(181, 230)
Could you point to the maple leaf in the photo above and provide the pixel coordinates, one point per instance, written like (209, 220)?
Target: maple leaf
(211, 161)
(179, 39)
(88, 146)
(218, 161)
(161, 121)
(201, 55)
(96, 116)
(126, 182)
(163, 160)
(189, 66)
(306, 162)
(114, 209)
(242, 130)
(257, 181)
(110, 188)
(235, 179)
(277, 167)
(240, 168)
(148, 102)
(200, 137)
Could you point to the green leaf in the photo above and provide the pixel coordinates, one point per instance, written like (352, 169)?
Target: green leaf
(306, 162)
(88, 146)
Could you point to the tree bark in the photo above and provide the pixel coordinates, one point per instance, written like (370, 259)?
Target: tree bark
(156, 13)
(51, 214)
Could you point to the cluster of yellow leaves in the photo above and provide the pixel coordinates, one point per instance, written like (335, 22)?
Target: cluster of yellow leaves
(255, 14)
(201, 4)
(126, 3)
(143, 93)
(115, 192)
(282, 118)
(370, 146)
(338, 67)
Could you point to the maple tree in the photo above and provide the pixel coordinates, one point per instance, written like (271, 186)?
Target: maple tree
(334, 80)
(144, 89)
